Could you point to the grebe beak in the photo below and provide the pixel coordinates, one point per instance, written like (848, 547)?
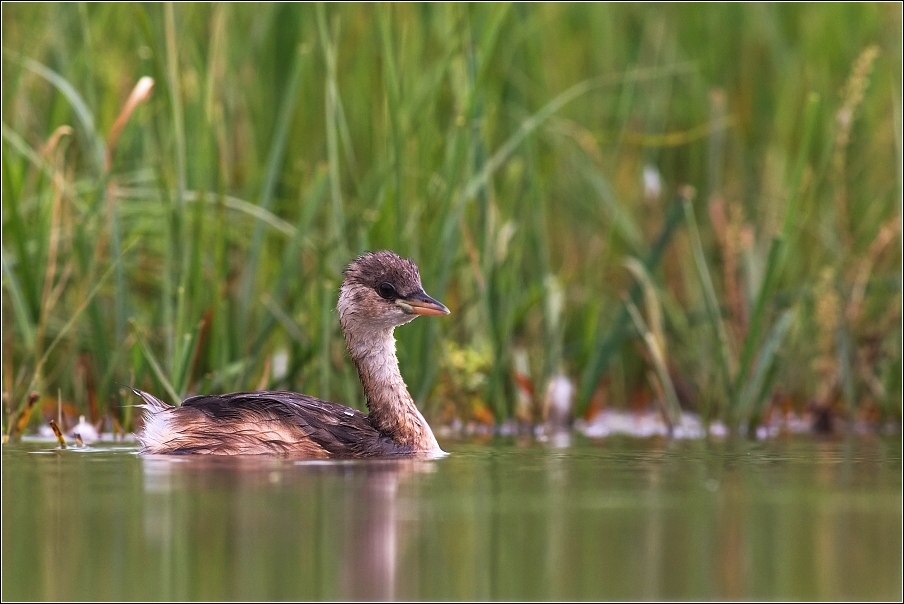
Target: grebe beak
(421, 304)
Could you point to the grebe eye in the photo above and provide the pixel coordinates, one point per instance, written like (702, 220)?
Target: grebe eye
(387, 291)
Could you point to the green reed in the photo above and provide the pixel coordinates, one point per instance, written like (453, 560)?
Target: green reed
(193, 240)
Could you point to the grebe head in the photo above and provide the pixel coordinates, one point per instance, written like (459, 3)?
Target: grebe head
(381, 291)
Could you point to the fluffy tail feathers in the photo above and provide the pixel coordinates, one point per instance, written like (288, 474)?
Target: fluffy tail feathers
(156, 431)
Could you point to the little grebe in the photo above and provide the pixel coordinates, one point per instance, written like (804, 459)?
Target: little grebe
(380, 292)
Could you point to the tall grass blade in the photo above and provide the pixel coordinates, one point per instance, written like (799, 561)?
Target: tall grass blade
(392, 86)
(726, 353)
(274, 162)
(188, 348)
(96, 146)
(172, 66)
(792, 209)
(25, 150)
(670, 407)
(154, 364)
(621, 221)
(24, 318)
(610, 339)
(757, 388)
(651, 299)
(332, 137)
(289, 267)
(758, 316)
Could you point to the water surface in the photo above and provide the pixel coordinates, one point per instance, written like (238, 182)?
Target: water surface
(617, 518)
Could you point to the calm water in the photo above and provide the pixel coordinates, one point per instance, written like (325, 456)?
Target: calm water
(618, 518)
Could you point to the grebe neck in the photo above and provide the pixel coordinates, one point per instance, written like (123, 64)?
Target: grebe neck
(392, 410)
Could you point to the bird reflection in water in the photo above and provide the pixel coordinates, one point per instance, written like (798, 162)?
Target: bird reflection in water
(281, 527)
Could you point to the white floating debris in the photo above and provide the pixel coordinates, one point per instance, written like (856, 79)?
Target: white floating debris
(646, 424)
(86, 431)
(558, 400)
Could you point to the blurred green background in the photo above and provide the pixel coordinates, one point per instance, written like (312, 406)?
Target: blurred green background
(681, 205)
